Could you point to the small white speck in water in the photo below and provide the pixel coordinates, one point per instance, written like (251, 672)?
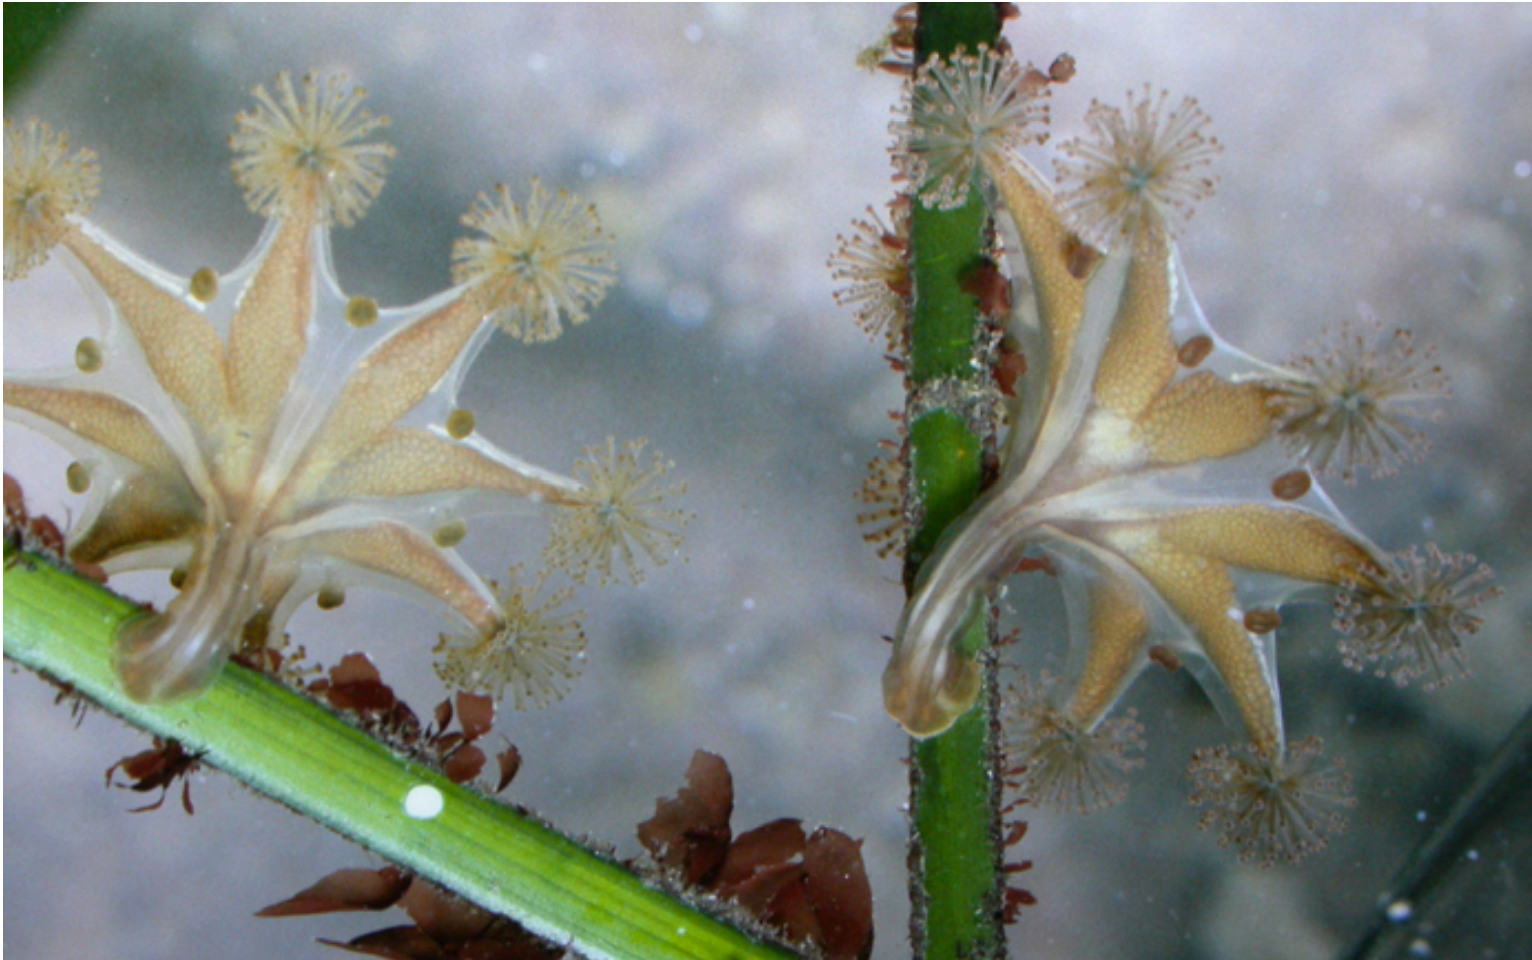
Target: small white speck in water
(1399, 911)
(424, 802)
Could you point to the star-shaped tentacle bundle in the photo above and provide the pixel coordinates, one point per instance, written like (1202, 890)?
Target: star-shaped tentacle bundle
(269, 437)
(1145, 463)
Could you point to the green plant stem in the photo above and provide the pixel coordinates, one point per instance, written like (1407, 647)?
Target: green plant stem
(1446, 884)
(31, 31)
(291, 749)
(957, 882)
